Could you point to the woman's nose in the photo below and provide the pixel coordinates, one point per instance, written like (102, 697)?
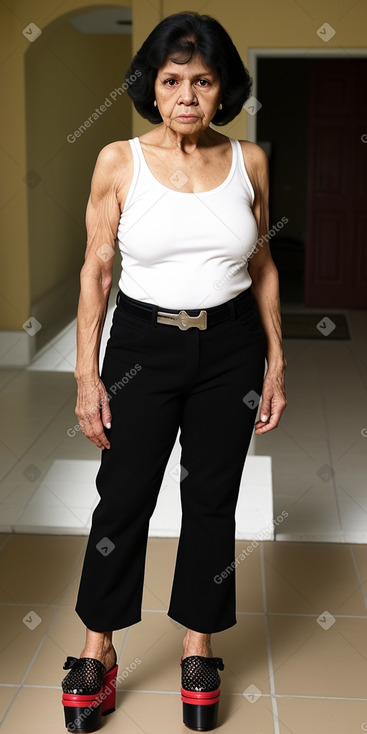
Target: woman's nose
(187, 95)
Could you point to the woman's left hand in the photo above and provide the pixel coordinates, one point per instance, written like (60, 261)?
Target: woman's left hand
(273, 402)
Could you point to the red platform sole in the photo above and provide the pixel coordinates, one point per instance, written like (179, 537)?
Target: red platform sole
(200, 709)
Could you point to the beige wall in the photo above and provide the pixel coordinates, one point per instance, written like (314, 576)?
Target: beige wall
(42, 225)
(14, 270)
(67, 78)
(51, 86)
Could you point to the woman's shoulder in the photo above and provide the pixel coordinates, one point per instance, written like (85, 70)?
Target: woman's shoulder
(114, 166)
(256, 162)
(253, 152)
(113, 154)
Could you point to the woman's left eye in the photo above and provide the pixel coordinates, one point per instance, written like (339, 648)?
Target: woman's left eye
(203, 80)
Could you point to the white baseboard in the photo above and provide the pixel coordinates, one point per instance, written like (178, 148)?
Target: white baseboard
(49, 315)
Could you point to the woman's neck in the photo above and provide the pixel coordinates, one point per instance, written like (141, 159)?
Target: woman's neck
(186, 143)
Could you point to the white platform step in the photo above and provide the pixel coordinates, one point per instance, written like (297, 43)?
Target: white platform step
(64, 501)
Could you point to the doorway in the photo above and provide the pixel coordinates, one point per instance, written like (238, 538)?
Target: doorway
(319, 262)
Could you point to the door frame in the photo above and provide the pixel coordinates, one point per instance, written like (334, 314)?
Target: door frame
(326, 54)
(255, 53)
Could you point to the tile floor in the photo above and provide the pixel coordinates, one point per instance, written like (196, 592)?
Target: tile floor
(295, 662)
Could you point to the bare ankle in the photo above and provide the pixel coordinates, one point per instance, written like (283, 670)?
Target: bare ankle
(97, 644)
(197, 643)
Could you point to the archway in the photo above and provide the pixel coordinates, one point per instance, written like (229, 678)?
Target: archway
(74, 106)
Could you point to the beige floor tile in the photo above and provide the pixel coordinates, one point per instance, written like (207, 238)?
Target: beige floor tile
(146, 713)
(159, 570)
(4, 597)
(19, 641)
(237, 715)
(7, 694)
(243, 649)
(36, 711)
(327, 716)
(311, 577)
(65, 637)
(249, 597)
(69, 595)
(47, 669)
(315, 661)
(157, 642)
(44, 564)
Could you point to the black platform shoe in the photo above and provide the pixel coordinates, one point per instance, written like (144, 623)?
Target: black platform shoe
(89, 692)
(200, 692)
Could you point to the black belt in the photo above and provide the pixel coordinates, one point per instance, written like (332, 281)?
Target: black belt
(185, 319)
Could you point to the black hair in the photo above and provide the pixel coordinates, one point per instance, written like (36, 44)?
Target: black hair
(171, 39)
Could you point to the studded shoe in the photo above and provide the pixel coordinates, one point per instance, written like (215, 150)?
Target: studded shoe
(200, 692)
(89, 692)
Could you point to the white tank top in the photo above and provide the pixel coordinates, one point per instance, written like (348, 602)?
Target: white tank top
(186, 250)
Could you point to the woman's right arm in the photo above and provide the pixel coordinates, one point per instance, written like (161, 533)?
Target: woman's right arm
(102, 218)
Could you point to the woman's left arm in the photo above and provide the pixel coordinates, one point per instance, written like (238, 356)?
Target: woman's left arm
(265, 288)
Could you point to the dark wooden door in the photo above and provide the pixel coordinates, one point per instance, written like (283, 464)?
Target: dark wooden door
(336, 239)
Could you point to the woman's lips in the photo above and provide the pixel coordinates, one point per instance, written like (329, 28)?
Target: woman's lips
(188, 117)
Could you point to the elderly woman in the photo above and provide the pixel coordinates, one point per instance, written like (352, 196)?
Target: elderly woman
(197, 315)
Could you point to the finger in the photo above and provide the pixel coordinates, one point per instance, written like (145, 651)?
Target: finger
(264, 427)
(273, 421)
(94, 439)
(93, 430)
(99, 434)
(265, 408)
(97, 442)
(260, 427)
(106, 414)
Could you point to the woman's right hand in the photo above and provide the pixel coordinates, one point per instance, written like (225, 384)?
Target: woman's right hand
(93, 410)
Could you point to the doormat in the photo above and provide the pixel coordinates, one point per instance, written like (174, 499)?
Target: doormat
(314, 326)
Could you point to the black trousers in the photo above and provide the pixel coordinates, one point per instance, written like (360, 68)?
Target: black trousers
(159, 379)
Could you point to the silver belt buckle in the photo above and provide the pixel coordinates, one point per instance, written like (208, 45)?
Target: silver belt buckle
(182, 319)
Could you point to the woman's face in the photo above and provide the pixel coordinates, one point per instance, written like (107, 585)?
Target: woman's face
(187, 95)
